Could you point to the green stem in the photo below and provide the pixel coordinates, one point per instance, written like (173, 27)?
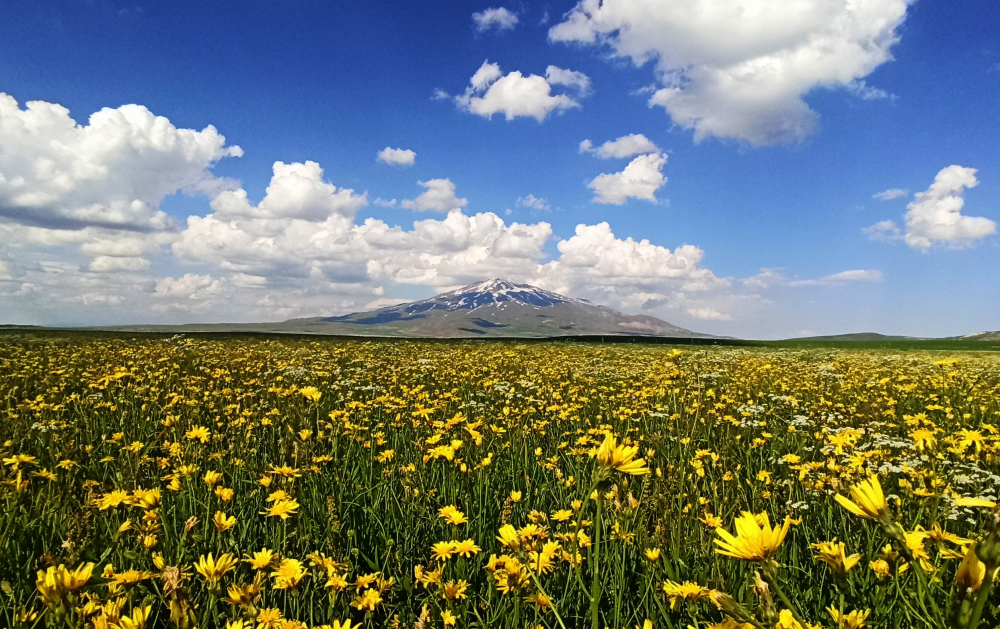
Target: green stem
(981, 597)
(772, 579)
(595, 584)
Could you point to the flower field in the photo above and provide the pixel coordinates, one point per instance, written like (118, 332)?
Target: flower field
(250, 482)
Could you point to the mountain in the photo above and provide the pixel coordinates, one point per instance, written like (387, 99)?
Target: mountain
(498, 308)
(494, 308)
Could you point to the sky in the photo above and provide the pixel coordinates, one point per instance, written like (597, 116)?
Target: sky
(754, 168)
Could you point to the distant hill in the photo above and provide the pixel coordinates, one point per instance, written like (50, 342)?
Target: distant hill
(861, 337)
(493, 308)
(981, 336)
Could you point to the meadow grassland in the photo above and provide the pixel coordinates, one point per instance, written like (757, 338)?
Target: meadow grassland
(254, 482)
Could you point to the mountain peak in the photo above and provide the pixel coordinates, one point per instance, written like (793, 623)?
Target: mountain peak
(496, 291)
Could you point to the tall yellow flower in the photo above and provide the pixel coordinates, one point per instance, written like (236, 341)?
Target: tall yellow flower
(971, 572)
(868, 501)
(620, 457)
(755, 539)
(834, 554)
(452, 515)
(288, 574)
(223, 522)
(213, 569)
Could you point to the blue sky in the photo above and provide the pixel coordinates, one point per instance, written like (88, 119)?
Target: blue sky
(765, 138)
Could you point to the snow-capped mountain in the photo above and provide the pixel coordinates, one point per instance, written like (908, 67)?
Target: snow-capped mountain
(500, 308)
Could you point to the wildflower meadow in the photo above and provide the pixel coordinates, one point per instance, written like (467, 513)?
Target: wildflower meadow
(253, 482)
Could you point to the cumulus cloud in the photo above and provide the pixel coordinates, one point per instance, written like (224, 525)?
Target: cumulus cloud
(740, 69)
(595, 255)
(890, 194)
(439, 196)
(111, 173)
(514, 95)
(625, 146)
(532, 202)
(497, 18)
(570, 78)
(296, 191)
(935, 215)
(640, 180)
(397, 157)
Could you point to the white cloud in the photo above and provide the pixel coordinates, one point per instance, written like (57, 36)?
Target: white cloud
(858, 275)
(740, 69)
(884, 231)
(439, 197)
(625, 146)
(890, 194)
(297, 190)
(594, 255)
(111, 173)
(640, 180)
(384, 302)
(514, 95)
(570, 78)
(706, 313)
(499, 18)
(935, 215)
(112, 264)
(384, 202)
(532, 202)
(397, 157)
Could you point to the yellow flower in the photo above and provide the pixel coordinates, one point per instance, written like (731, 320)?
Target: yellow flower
(367, 601)
(261, 559)
(288, 574)
(270, 619)
(112, 500)
(224, 494)
(853, 620)
(684, 591)
(199, 433)
(509, 537)
(754, 541)
(214, 569)
(212, 477)
(223, 522)
(452, 515)
(515, 496)
(540, 601)
(283, 509)
(311, 393)
(971, 571)
(137, 620)
(55, 581)
(452, 590)
(442, 550)
(466, 548)
(620, 457)
(130, 578)
(868, 500)
(448, 618)
(834, 554)
(653, 554)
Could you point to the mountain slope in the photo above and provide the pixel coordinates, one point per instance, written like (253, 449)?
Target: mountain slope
(498, 308)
